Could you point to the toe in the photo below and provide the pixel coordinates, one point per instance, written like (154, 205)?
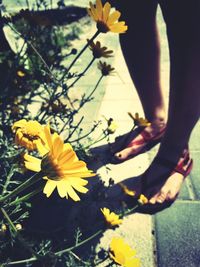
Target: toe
(153, 199)
(162, 196)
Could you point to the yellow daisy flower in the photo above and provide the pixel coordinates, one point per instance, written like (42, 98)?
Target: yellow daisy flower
(142, 199)
(60, 166)
(99, 51)
(20, 73)
(28, 133)
(105, 68)
(112, 126)
(105, 21)
(126, 190)
(139, 121)
(123, 254)
(111, 217)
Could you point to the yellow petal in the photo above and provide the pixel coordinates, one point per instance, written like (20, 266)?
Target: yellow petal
(67, 157)
(133, 263)
(41, 148)
(106, 11)
(79, 188)
(49, 187)
(119, 27)
(48, 136)
(113, 17)
(99, 9)
(32, 163)
(62, 188)
(94, 13)
(70, 191)
(57, 146)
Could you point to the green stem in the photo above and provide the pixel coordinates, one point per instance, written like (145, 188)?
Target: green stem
(79, 244)
(130, 210)
(9, 221)
(81, 75)
(18, 236)
(88, 97)
(36, 177)
(96, 141)
(26, 197)
(59, 252)
(81, 52)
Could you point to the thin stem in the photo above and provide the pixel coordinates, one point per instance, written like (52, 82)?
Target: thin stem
(26, 197)
(35, 50)
(36, 177)
(79, 244)
(131, 210)
(9, 220)
(81, 52)
(18, 236)
(96, 141)
(76, 80)
(58, 253)
(75, 128)
(89, 96)
(83, 136)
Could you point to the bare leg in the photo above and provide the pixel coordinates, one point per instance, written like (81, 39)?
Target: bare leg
(140, 46)
(184, 105)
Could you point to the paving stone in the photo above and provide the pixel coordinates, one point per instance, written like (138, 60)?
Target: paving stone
(195, 174)
(178, 235)
(136, 230)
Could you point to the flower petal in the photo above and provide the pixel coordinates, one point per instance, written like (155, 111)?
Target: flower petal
(99, 9)
(49, 187)
(32, 163)
(113, 17)
(119, 27)
(106, 11)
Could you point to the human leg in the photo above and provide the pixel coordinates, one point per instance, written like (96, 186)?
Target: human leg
(182, 20)
(141, 50)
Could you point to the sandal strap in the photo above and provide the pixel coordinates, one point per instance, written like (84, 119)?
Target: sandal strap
(178, 167)
(147, 137)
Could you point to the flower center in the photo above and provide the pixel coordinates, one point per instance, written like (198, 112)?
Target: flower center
(50, 168)
(32, 130)
(102, 26)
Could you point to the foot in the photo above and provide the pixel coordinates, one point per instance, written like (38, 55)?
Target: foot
(169, 190)
(149, 135)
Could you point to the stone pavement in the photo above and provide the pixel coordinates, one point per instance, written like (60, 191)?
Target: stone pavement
(170, 238)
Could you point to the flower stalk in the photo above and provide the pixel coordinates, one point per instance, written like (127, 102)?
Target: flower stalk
(81, 52)
(35, 178)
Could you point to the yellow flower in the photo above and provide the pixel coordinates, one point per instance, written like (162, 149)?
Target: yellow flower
(18, 227)
(142, 199)
(60, 166)
(123, 254)
(139, 121)
(111, 217)
(99, 51)
(20, 73)
(105, 21)
(112, 126)
(28, 133)
(3, 227)
(105, 68)
(126, 190)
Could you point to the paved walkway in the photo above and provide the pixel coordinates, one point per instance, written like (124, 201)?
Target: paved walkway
(171, 237)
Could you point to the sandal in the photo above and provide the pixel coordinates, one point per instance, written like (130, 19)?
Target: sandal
(184, 167)
(148, 141)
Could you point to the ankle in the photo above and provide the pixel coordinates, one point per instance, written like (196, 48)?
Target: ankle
(158, 123)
